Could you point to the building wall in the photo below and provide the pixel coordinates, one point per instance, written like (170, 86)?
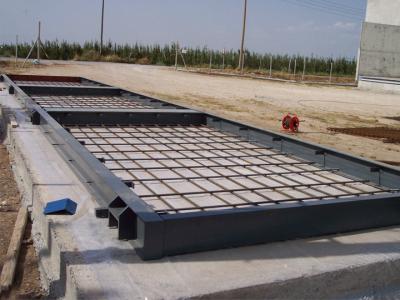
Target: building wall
(380, 40)
(383, 12)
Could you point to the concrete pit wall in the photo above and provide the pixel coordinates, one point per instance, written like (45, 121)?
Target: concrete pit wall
(380, 50)
(383, 12)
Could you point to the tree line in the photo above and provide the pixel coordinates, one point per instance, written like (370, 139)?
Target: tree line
(192, 57)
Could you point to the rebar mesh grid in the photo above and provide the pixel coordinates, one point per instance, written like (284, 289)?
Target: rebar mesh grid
(53, 83)
(112, 102)
(178, 169)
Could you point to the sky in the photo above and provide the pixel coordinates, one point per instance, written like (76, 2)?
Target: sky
(319, 27)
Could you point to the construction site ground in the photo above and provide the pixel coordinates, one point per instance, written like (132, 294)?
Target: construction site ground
(257, 102)
(83, 259)
(27, 282)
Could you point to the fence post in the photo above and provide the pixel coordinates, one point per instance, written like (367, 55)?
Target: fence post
(270, 66)
(16, 50)
(223, 59)
(209, 70)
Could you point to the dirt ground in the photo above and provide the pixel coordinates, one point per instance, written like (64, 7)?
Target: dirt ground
(348, 80)
(256, 102)
(27, 281)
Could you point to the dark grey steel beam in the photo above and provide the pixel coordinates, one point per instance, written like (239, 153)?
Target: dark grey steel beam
(193, 232)
(71, 90)
(55, 110)
(136, 117)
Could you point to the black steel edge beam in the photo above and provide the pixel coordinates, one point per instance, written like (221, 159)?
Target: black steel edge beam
(373, 171)
(194, 232)
(82, 79)
(51, 110)
(149, 117)
(71, 90)
(50, 78)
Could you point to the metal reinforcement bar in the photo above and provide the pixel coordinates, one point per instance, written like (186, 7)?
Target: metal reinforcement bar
(367, 197)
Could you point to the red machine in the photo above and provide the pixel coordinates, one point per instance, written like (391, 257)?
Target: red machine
(291, 123)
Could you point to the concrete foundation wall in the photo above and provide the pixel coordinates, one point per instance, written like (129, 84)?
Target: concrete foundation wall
(383, 12)
(380, 50)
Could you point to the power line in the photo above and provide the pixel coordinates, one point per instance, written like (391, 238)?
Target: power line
(330, 7)
(326, 9)
(323, 8)
(341, 5)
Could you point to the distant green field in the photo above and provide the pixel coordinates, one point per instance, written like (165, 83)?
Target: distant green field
(193, 57)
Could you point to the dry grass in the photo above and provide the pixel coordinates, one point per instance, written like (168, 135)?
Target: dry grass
(276, 75)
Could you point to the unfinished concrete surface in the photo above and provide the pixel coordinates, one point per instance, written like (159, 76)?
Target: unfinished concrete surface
(26, 282)
(379, 47)
(258, 103)
(79, 258)
(388, 85)
(380, 50)
(383, 12)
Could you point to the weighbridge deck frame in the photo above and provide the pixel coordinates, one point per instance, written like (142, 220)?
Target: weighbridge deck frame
(136, 153)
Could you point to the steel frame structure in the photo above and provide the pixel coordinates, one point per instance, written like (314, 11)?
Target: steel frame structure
(155, 233)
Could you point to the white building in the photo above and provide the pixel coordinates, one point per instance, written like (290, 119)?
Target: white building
(379, 60)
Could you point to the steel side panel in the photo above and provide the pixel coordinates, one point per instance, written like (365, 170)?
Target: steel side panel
(44, 78)
(71, 90)
(230, 229)
(170, 117)
(149, 244)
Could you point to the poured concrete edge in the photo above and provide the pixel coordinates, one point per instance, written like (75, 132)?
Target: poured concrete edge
(379, 84)
(81, 258)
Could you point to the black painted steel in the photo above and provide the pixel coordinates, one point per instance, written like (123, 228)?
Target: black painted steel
(155, 233)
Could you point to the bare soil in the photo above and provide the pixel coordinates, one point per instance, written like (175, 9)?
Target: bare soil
(389, 135)
(27, 280)
(256, 102)
(277, 75)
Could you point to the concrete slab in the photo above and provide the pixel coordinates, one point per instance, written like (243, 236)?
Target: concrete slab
(81, 258)
(391, 85)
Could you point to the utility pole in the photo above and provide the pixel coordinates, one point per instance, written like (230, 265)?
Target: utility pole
(241, 58)
(330, 73)
(38, 44)
(102, 27)
(304, 69)
(295, 66)
(209, 70)
(16, 50)
(176, 55)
